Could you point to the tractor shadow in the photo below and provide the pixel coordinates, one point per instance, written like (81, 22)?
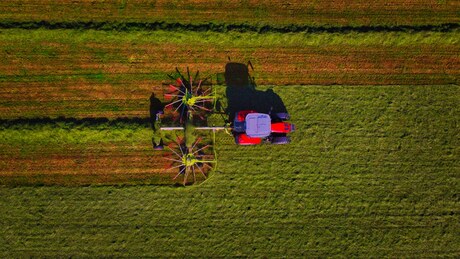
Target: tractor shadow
(242, 93)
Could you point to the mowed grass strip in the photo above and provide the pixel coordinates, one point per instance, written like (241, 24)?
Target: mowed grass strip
(111, 74)
(323, 12)
(371, 171)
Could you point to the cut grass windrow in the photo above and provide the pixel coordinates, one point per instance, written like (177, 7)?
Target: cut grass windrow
(246, 39)
(220, 27)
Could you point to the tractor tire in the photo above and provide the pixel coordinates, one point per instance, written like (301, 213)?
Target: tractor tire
(156, 146)
(281, 140)
(284, 116)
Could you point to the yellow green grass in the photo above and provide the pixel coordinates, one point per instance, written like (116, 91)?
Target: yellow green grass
(245, 39)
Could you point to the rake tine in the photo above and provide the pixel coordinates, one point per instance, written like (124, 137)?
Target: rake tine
(180, 172)
(207, 165)
(204, 100)
(193, 171)
(201, 149)
(177, 70)
(176, 166)
(201, 156)
(201, 117)
(196, 142)
(172, 95)
(185, 176)
(178, 141)
(176, 101)
(178, 106)
(171, 159)
(207, 90)
(178, 89)
(199, 86)
(202, 172)
(182, 152)
(206, 109)
(181, 82)
(174, 152)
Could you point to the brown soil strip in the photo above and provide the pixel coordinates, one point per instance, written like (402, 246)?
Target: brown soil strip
(93, 164)
(81, 84)
(322, 12)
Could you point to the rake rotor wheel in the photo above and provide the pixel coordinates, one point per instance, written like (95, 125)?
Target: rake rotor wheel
(193, 164)
(189, 96)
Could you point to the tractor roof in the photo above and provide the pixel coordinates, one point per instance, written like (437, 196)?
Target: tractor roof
(258, 125)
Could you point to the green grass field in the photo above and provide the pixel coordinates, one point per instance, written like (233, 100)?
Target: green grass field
(372, 171)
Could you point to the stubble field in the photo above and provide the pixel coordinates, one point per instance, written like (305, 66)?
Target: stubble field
(373, 169)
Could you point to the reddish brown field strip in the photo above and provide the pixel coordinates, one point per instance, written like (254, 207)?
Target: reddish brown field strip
(323, 12)
(80, 84)
(93, 164)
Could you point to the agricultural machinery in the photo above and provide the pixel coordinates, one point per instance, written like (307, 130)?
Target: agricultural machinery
(190, 102)
(252, 128)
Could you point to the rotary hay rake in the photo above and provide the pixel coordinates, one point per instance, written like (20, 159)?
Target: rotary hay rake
(193, 163)
(192, 104)
(191, 100)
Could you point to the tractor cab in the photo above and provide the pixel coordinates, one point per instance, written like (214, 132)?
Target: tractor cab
(258, 125)
(252, 128)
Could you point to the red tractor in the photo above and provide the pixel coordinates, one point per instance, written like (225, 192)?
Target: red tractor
(252, 128)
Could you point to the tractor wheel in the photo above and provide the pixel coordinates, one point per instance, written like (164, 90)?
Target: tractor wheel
(282, 116)
(281, 140)
(156, 146)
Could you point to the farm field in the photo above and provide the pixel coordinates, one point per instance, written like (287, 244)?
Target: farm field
(323, 12)
(354, 119)
(379, 176)
(56, 154)
(52, 73)
(373, 169)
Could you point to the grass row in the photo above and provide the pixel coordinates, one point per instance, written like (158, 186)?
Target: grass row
(61, 134)
(236, 39)
(220, 27)
(371, 171)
